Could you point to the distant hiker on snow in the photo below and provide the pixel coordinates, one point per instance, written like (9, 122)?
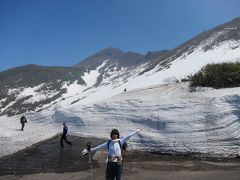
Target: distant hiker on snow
(125, 90)
(23, 120)
(64, 136)
(114, 159)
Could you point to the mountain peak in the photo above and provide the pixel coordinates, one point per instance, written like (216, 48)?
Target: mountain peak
(111, 50)
(108, 53)
(112, 54)
(97, 59)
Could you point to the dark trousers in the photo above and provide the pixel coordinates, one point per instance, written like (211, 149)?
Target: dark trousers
(65, 139)
(23, 124)
(114, 170)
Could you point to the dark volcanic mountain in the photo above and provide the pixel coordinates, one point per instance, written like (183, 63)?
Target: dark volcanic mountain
(119, 58)
(33, 75)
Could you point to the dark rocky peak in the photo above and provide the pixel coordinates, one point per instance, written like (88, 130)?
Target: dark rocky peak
(114, 56)
(110, 53)
(92, 62)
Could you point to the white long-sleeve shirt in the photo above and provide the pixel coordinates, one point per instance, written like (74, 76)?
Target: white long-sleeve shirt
(114, 147)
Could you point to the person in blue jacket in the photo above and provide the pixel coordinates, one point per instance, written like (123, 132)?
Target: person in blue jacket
(114, 160)
(64, 135)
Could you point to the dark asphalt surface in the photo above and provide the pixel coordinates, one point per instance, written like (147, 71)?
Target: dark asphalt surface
(47, 160)
(48, 156)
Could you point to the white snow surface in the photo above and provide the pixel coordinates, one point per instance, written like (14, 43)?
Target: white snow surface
(182, 67)
(12, 139)
(174, 119)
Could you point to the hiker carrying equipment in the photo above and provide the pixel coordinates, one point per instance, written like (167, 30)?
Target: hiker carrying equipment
(23, 120)
(64, 136)
(114, 162)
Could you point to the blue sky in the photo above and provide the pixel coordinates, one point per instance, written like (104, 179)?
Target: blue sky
(63, 32)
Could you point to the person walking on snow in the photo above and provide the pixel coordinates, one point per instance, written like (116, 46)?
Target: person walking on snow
(114, 160)
(64, 136)
(23, 120)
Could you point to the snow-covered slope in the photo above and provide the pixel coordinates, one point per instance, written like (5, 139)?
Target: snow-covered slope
(175, 120)
(117, 81)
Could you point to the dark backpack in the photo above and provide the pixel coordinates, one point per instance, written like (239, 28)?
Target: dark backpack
(123, 147)
(23, 119)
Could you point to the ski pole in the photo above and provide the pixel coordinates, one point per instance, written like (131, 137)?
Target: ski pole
(89, 158)
(90, 163)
